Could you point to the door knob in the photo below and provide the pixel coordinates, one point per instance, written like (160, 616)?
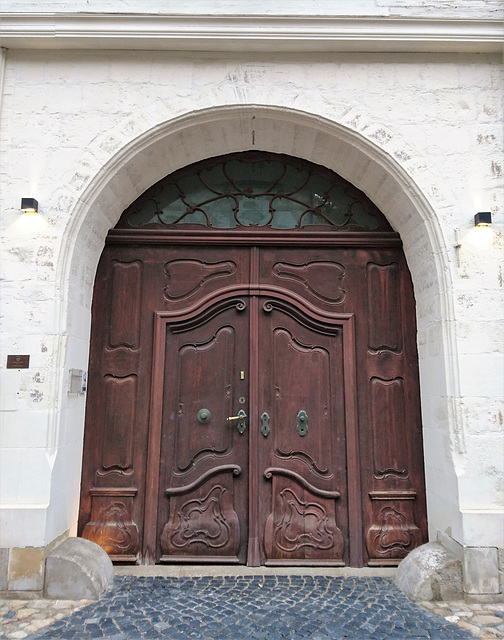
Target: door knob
(203, 416)
(241, 426)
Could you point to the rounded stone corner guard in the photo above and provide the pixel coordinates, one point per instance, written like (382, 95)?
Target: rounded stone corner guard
(430, 572)
(77, 569)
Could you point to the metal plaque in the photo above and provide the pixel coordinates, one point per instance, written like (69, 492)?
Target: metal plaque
(18, 362)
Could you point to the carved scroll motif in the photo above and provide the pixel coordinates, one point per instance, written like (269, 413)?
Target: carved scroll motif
(301, 528)
(186, 277)
(202, 520)
(207, 522)
(111, 524)
(322, 279)
(393, 533)
(327, 326)
(302, 524)
(382, 474)
(235, 469)
(278, 471)
(303, 457)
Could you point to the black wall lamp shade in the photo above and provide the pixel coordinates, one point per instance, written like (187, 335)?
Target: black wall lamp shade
(483, 219)
(29, 205)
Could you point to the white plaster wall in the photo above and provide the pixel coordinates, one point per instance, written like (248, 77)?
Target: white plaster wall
(87, 132)
(439, 8)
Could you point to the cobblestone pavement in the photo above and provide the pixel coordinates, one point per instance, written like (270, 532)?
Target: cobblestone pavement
(250, 607)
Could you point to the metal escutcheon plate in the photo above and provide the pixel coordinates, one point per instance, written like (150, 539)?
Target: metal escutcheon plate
(302, 423)
(265, 429)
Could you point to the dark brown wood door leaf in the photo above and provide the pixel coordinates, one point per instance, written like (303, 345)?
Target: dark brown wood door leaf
(253, 404)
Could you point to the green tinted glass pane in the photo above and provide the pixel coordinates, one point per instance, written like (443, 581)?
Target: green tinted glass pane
(287, 213)
(254, 211)
(196, 217)
(293, 180)
(363, 218)
(214, 179)
(146, 215)
(221, 214)
(254, 178)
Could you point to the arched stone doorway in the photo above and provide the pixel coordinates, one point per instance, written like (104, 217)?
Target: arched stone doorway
(318, 312)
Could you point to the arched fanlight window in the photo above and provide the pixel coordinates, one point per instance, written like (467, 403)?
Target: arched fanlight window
(254, 190)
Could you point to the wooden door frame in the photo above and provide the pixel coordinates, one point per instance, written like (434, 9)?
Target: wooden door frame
(212, 304)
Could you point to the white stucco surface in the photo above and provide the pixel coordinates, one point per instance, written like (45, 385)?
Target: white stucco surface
(86, 132)
(478, 8)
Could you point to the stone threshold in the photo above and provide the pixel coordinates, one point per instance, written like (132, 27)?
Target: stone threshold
(192, 571)
(21, 595)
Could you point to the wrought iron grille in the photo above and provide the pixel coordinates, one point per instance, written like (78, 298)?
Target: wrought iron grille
(254, 190)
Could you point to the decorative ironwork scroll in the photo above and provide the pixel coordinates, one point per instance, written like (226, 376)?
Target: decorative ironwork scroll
(254, 190)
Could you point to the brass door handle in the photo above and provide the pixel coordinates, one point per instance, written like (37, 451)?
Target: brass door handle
(241, 426)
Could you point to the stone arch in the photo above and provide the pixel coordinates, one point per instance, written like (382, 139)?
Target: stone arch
(121, 165)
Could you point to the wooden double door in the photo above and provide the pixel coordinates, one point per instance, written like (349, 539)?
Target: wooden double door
(253, 404)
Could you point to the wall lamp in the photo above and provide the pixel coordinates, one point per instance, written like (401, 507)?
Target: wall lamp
(483, 219)
(29, 205)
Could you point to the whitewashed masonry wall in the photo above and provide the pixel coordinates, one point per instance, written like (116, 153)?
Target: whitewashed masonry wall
(85, 132)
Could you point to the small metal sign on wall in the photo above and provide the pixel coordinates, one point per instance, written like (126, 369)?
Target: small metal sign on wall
(77, 381)
(18, 362)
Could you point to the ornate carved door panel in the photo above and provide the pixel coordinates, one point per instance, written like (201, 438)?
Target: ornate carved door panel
(315, 351)
(203, 498)
(384, 444)
(267, 285)
(248, 355)
(132, 285)
(303, 459)
(391, 435)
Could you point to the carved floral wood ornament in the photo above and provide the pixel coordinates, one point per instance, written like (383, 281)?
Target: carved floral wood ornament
(253, 388)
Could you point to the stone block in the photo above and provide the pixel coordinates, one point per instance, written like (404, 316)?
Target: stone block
(77, 569)
(481, 570)
(430, 572)
(26, 569)
(4, 569)
(501, 570)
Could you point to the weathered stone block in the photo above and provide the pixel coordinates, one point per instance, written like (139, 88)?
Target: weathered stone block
(481, 570)
(77, 569)
(501, 570)
(4, 568)
(26, 569)
(430, 572)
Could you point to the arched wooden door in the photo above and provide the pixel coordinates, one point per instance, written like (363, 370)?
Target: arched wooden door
(253, 388)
